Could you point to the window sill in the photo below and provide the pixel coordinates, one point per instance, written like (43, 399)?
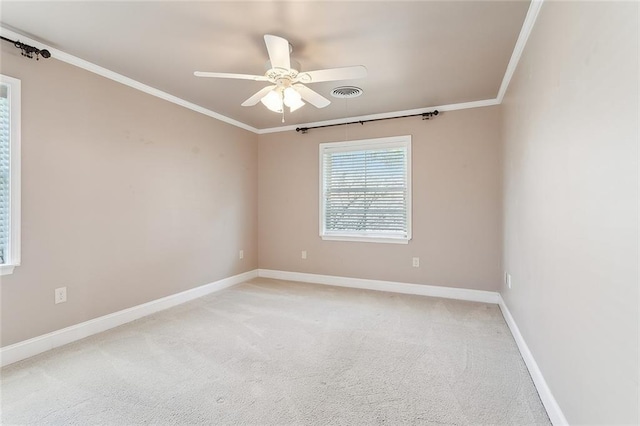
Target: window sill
(7, 269)
(387, 240)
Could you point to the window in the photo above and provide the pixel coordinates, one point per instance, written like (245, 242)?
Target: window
(9, 174)
(365, 190)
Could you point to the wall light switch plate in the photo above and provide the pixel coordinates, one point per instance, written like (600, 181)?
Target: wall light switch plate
(304, 254)
(241, 254)
(416, 262)
(507, 279)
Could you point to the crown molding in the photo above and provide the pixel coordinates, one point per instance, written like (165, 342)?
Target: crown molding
(527, 26)
(112, 75)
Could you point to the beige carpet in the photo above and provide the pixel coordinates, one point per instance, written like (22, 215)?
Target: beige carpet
(272, 352)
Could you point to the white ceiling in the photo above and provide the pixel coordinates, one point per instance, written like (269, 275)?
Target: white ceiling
(418, 54)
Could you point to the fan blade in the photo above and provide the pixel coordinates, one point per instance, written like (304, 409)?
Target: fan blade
(331, 74)
(230, 75)
(278, 49)
(258, 95)
(314, 98)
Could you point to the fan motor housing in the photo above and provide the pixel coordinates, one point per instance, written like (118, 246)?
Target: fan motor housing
(278, 73)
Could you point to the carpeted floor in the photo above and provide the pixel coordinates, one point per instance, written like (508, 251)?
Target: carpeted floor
(272, 352)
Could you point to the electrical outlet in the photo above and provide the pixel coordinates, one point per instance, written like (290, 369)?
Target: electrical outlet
(60, 295)
(507, 279)
(241, 254)
(304, 254)
(416, 262)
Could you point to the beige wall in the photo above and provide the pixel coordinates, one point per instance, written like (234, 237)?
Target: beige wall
(571, 206)
(126, 198)
(456, 204)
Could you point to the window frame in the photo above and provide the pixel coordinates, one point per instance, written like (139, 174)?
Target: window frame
(14, 96)
(358, 145)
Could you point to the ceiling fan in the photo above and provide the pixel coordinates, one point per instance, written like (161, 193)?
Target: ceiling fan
(287, 87)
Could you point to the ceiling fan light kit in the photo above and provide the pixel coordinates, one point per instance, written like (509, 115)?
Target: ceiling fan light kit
(276, 99)
(287, 87)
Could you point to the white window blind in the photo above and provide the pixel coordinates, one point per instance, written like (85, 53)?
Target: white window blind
(9, 174)
(4, 173)
(366, 190)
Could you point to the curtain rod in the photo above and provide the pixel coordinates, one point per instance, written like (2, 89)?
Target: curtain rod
(29, 51)
(424, 115)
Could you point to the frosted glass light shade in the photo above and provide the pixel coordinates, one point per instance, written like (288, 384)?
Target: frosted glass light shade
(273, 101)
(291, 96)
(295, 105)
(292, 99)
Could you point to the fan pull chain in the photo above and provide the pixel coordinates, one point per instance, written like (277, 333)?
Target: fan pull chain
(346, 114)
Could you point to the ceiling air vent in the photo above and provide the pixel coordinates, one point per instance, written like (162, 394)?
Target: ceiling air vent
(346, 92)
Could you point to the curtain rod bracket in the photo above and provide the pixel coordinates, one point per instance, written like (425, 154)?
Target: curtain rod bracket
(28, 51)
(428, 115)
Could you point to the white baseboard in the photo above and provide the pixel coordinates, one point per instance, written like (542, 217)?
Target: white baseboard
(550, 404)
(393, 287)
(28, 348)
(37, 345)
